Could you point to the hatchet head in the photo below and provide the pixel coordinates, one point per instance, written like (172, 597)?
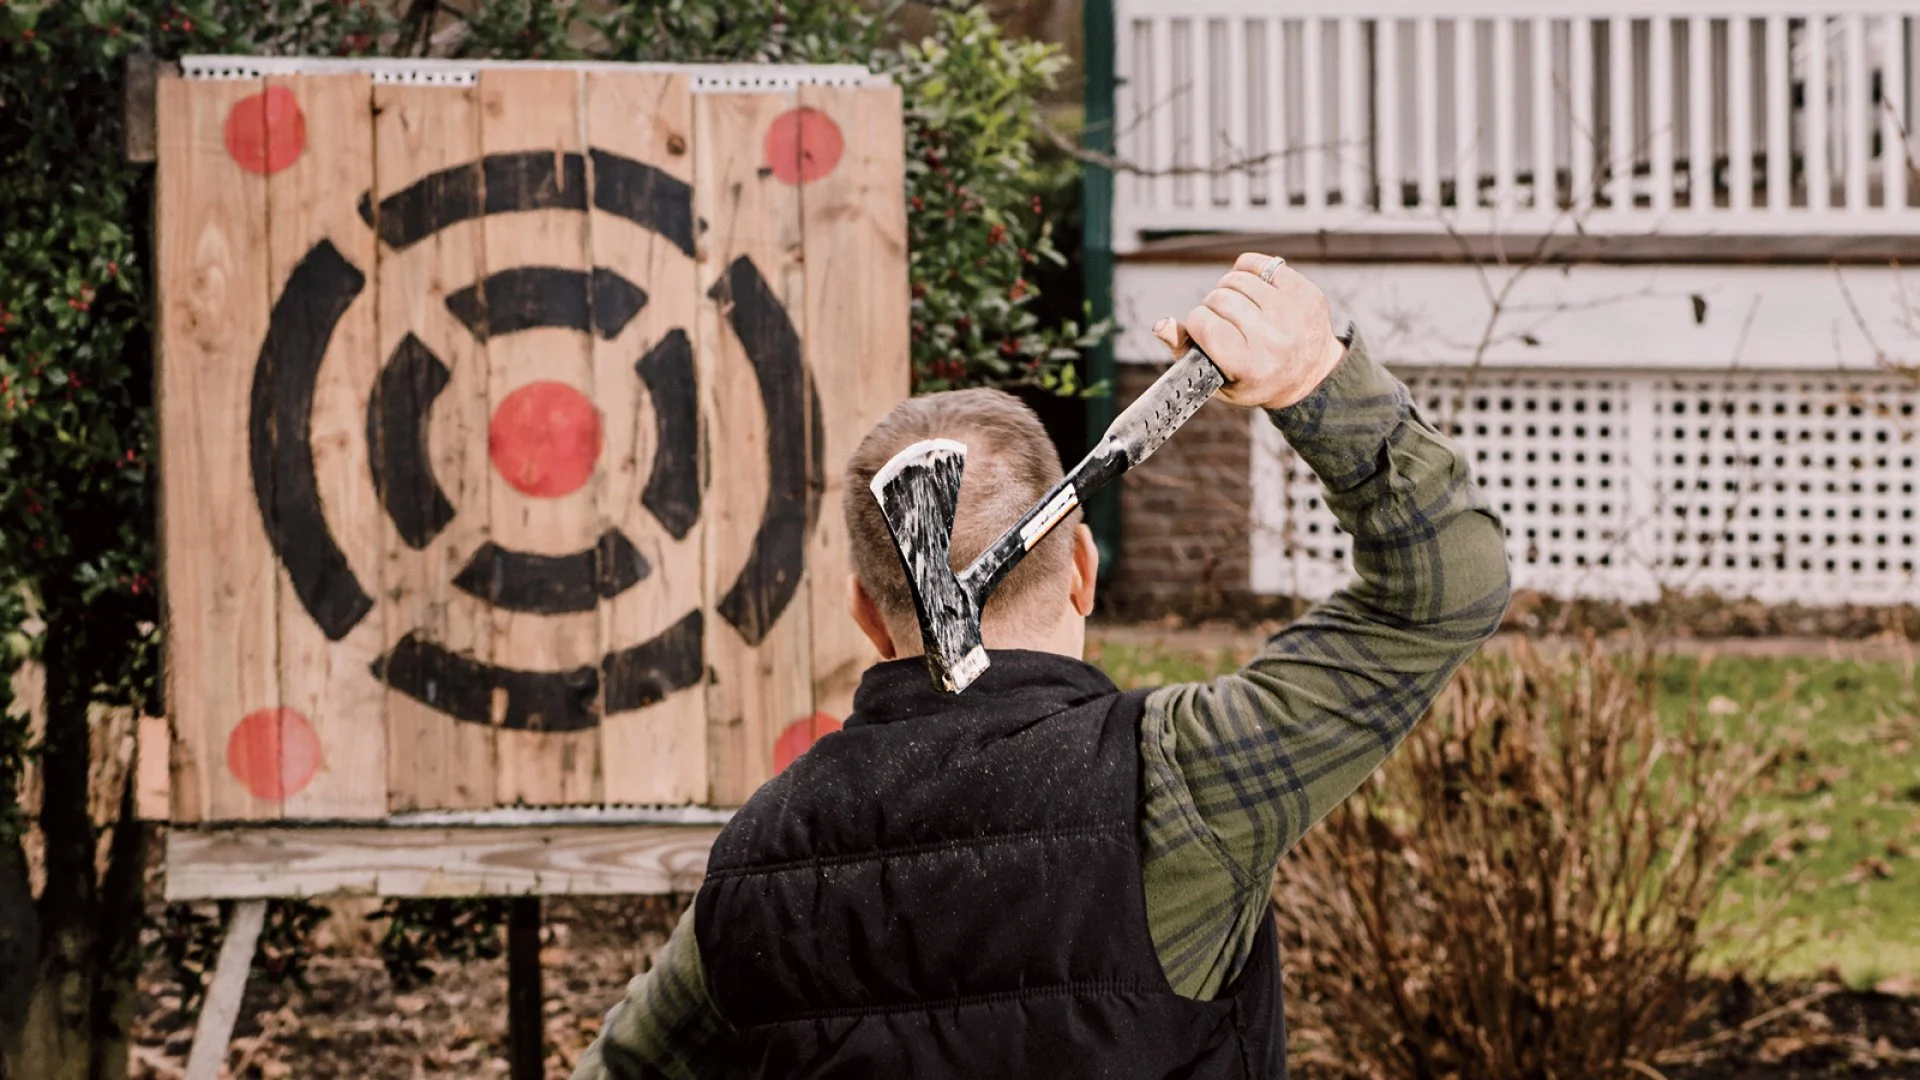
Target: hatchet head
(918, 491)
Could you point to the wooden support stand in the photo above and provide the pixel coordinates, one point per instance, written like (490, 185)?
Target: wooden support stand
(526, 1022)
(222, 1006)
(508, 852)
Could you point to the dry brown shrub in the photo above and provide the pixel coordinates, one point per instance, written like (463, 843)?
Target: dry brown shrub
(1524, 891)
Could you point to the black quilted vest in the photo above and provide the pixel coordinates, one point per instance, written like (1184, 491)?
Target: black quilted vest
(951, 887)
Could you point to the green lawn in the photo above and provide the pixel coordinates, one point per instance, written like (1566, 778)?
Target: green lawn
(1842, 812)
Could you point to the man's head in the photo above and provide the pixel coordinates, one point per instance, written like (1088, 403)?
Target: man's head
(1043, 603)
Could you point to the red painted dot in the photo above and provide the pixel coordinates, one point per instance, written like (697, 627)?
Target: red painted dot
(274, 752)
(800, 735)
(545, 439)
(803, 144)
(266, 131)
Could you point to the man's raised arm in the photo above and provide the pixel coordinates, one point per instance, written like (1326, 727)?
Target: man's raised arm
(1237, 769)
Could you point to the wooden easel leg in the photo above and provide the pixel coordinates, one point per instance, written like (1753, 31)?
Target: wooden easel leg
(526, 1022)
(222, 1006)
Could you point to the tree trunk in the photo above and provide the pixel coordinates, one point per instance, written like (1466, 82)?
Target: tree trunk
(68, 960)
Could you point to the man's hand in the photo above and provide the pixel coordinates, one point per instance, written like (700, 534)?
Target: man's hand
(1274, 342)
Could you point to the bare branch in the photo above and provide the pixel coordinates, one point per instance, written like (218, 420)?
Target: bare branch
(1068, 145)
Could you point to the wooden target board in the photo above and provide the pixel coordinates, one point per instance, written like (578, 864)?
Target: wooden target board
(502, 428)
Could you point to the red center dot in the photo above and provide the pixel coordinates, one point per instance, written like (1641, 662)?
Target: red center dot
(266, 131)
(803, 144)
(545, 439)
(274, 752)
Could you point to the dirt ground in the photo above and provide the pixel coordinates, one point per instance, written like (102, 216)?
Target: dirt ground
(350, 1023)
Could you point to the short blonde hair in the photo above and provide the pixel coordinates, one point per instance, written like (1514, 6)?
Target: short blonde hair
(1011, 463)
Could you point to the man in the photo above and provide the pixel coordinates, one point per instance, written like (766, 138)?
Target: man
(1042, 876)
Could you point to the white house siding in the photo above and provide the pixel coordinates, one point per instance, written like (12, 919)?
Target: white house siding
(1729, 428)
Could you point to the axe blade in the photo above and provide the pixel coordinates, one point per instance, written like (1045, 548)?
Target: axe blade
(918, 491)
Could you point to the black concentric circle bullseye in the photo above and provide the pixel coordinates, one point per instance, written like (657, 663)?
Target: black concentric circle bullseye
(510, 300)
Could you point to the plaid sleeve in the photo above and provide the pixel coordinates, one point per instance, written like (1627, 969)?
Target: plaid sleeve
(667, 1026)
(1236, 769)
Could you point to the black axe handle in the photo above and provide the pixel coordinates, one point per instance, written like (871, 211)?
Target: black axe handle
(1134, 435)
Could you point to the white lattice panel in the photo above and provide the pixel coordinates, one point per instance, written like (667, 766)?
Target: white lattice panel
(1798, 488)
(1774, 486)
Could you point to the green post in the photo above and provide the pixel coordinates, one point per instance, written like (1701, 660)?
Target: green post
(1096, 197)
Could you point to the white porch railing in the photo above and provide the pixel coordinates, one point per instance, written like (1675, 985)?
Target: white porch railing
(1746, 117)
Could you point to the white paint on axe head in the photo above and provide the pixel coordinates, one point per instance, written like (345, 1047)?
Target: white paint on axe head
(925, 450)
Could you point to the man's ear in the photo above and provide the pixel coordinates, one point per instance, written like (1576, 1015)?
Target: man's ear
(867, 615)
(1086, 569)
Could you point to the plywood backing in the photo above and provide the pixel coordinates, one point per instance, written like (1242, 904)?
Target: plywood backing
(221, 590)
(436, 373)
(502, 428)
(857, 317)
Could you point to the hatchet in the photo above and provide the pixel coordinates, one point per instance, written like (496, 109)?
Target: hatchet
(919, 488)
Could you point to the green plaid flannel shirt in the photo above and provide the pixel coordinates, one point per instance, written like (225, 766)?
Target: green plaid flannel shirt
(1235, 770)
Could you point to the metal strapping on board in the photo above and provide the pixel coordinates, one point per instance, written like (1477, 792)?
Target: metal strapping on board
(707, 78)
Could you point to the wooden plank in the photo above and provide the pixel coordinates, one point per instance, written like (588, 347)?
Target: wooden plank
(1633, 248)
(1858, 109)
(757, 584)
(1660, 107)
(544, 499)
(212, 286)
(1622, 144)
(440, 372)
(1504, 107)
(333, 754)
(855, 228)
(1386, 98)
(1426, 96)
(1894, 139)
(141, 75)
(1739, 114)
(207, 864)
(1584, 133)
(653, 749)
(152, 786)
(1313, 104)
(1700, 90)
(1354, 141)
(1818, 97)
(1546, 108)
(214, 1028)
(1779, 80)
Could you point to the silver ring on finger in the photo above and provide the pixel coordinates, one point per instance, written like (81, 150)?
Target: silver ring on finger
(1273, 267)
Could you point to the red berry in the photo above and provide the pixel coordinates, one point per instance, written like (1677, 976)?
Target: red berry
(996, 234)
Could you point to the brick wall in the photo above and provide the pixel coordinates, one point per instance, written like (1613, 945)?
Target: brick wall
(1184, 518)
